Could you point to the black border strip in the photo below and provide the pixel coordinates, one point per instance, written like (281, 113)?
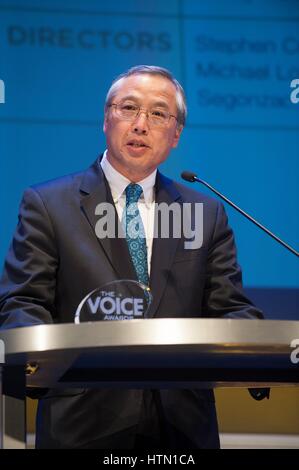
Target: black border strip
(277, 303)
(75, 11)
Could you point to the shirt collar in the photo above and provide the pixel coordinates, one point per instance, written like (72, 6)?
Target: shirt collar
(119, 182)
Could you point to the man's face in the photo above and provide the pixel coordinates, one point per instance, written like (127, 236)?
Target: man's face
(136, 148)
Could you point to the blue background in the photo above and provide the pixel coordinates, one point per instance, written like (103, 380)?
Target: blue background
(235, 59)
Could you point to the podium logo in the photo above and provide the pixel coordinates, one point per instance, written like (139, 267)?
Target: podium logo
(295, 353)
(2, 352)
(294, 96)
(2, 92)
(113, 307)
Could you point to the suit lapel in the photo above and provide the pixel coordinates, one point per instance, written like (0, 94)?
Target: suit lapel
(95, 190)
(163, 248)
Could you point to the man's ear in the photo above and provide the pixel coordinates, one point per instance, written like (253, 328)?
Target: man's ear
(105, 123)
(177, 135)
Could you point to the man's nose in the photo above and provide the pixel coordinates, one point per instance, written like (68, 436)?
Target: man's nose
(140, 124)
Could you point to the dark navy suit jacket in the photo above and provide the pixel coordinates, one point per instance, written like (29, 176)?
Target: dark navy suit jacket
(56, 259)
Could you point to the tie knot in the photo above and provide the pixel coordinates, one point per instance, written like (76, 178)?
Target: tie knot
(133, 193)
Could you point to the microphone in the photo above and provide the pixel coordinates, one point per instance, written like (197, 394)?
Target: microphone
(192, 177)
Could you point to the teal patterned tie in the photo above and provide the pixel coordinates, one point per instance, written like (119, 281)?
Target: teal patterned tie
(135, 234)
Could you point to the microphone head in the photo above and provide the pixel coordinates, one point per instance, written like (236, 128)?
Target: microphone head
(188, 176)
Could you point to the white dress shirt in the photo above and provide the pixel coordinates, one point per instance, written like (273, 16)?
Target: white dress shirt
(146, 203)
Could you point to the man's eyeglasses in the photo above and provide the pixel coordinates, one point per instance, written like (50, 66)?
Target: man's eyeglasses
(129, 112)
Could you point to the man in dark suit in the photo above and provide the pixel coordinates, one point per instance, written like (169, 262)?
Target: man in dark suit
(57, 258)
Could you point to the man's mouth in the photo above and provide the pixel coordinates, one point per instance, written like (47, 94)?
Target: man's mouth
(136, 144)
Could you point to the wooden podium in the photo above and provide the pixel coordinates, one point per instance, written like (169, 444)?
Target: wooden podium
(150, 353)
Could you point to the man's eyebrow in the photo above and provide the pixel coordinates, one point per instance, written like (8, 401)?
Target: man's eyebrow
(161, 104)
(129, 97)
(135, 98)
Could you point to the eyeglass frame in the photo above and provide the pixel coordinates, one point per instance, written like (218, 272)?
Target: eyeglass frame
(145, 111)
